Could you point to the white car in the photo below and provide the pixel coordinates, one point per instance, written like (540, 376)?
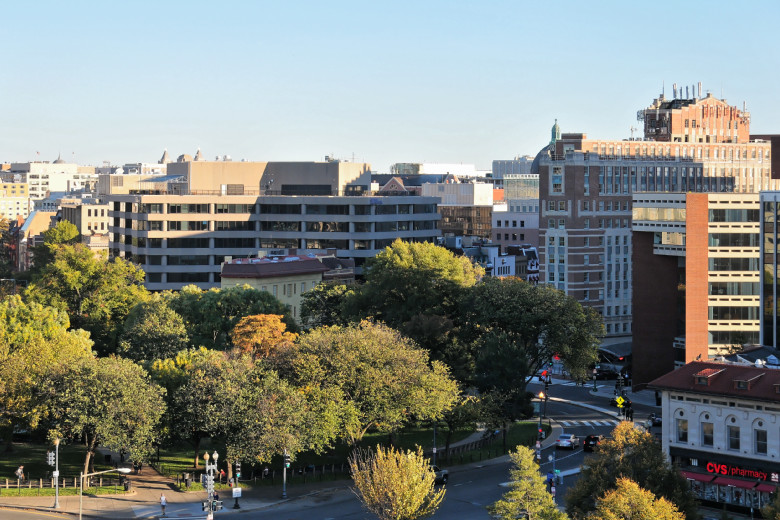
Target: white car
(442, 475)
(567, 440)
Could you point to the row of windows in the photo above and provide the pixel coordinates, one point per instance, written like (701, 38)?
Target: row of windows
(247, 225)
(733, 436)
(515, 236)
(514, 223)
(280, 209)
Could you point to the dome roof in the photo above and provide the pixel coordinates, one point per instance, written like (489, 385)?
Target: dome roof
(543, 152)
(59, 159)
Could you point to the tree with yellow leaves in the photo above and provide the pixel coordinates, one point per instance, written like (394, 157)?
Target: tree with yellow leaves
(395, 485)
(261, 334)
(629, 501)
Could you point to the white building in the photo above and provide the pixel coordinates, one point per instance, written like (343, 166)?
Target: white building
(721, 427)
(46, 177)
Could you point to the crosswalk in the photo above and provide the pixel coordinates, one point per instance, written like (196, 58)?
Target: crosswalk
(571, 424)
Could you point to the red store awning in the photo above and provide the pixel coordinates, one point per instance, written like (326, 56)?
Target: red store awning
(766, 488)
(701, 477)
(744, 484)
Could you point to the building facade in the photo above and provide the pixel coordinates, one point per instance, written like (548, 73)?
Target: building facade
(516, 223)
(14, 200)
(585, 190)
(721, 428)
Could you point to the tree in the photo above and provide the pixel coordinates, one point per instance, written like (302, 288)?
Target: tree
(382, 379)
(97, 293)
(6, 264)
(528, 496)
(33, 341)
(630, 502)
(395, 485)
(518, 328)
(771, 511)
(633, 454)
(63, 233)
(152, 331)
(261, 334)
(211, 315)
(108, 402)
(323, 305)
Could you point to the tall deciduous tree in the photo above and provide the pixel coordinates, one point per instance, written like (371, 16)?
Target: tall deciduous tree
(628, 501)
(63, 233)
(383, 379)
(323, 305)
(633, 454)
(519, 328)
(395, 485)
(261, 334)
(211, 315)
(527, 496)
(108, 402)
(6, 264)
(152, 331)
(33, 341)
(96, 293)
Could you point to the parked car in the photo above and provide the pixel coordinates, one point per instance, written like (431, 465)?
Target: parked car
(606, 373)
(626, 402)
(442, 475)
(567, 440)
(591, 441)
(655, 419)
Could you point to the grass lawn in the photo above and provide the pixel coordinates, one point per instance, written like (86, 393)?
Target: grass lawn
(33, 458)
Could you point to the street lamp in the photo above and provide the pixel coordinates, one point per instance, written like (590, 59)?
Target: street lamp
(211, 470)
(56, 473)
(541, 413)
(82, 476)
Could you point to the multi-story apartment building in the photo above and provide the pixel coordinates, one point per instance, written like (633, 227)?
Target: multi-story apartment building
(14, 200)
(585, 189)
(516, 222)
(89, 215)
(695, 278)
(769, 218)
(221, 209)
(720, 427)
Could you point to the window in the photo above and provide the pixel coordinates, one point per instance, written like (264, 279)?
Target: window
(733, 437)
(760, 446)
(682, 430)
(276, 290)
(707, 433)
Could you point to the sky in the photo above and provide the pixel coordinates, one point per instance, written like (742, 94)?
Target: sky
(373, 81)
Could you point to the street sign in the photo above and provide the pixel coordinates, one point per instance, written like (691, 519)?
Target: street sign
(236, 492)
(552, 491)
(55, 474)
(620, 401)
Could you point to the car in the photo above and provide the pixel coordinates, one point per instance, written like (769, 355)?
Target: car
(567, 440)
(591, 441)
(605, 373)
(442, 475)
(626, 402)
(655, 419)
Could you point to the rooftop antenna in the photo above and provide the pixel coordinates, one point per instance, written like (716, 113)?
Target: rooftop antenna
(700, 89)
(674, 90)
(632, 132)
(686, 92)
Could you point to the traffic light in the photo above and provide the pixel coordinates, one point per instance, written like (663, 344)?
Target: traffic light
(205, 505)
(238, 470)
(50, 458)
(286, 460)
(209, 483)
(217, 505)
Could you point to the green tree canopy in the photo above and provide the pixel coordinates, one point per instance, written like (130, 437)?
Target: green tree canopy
(97, 294)
(211, 315)
(63, 233)
(518, 328)
(634, 454)
(6, 264)
(383, 379)
(628, 501)
(152, 331)
(33, 341)
(527, 496)
(324, 304)
(771, 511)
(395, 485)
(107, 401)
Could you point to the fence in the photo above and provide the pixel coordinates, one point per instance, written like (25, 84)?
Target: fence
(9, 486)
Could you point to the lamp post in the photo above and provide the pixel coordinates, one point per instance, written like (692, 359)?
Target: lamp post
(56, 473)
(211, 470)
(541, 413)
(82, 476)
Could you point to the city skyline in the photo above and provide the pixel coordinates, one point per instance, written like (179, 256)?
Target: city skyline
(443, 82)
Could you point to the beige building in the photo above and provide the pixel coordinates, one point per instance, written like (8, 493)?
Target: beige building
(14, 200)
(46, 177)
(90, 216)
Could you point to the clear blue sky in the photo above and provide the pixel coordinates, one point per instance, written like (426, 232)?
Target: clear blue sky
(394, 81)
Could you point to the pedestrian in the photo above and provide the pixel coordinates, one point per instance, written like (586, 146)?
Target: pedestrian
(163, 503)
(221, 475)
(265, 472)
(19, 473)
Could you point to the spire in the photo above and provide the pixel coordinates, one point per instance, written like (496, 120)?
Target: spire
(164, 159)
(555, 133)
(59, 159)
(198, 155)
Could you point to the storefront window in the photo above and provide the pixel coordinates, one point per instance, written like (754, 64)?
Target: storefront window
(733, 437)
(682, 430)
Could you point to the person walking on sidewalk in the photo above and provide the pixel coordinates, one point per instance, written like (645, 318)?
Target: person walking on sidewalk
(163, 503)
(20, 473)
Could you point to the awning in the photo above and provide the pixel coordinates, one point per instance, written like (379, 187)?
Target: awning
(744, 484)
(766, 488)
(701, 477)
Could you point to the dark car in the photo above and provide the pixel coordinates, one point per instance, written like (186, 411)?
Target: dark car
(591, 441)
(626, 402)
(655, 419)
(605, 373)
